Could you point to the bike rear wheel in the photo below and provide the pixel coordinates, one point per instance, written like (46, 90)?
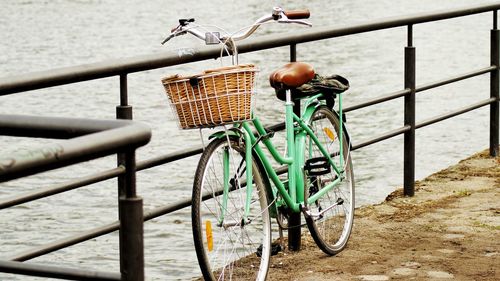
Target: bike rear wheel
(226, 244)
(332, 214)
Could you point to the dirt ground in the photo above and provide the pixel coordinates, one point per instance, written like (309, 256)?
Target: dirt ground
(449, 230)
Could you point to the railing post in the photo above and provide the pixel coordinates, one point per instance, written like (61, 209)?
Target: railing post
(409, 137)
(130, 210)
(131, 225)
(123, 111)
(494, 87)
(294, 220)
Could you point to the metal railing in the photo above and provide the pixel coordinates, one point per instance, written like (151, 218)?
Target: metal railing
(127, 165)
(85, 139)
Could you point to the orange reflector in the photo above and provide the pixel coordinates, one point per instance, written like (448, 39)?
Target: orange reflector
(329, 133)
(210, 239)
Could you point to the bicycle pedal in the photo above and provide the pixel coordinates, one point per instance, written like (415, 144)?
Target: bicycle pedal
(317, 166)
(319, 214)
(275, 249)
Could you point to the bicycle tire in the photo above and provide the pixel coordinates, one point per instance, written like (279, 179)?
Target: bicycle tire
(332, 229)
(235, 244)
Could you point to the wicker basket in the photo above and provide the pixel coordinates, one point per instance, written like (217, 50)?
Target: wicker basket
(215, 97)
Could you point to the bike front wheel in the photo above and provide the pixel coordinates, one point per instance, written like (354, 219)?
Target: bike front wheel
(228, 245)
(332, 214)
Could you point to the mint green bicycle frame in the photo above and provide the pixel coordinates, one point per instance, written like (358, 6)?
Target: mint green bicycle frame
(296, 141)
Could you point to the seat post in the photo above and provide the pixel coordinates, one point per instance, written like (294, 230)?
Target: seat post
(290, 141)
(294, 219)
(288, 97)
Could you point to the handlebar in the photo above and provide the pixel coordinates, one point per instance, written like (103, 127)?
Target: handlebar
(278, 15)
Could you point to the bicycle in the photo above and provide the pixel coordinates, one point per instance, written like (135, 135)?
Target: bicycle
(231, 219)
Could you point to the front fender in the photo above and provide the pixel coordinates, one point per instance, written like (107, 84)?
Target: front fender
(222, 134)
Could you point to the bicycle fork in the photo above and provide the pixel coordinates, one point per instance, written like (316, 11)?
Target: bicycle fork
(229, 179)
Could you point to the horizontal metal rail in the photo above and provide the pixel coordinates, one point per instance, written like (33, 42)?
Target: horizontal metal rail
(98, 177)
(377, 100)
(65, 242)
(420, 88)
(167, 158)
(94, 233)
(60, 188)
(382, 137)
(56, 272)
(90, 139)
(457, 78)
(455, 113)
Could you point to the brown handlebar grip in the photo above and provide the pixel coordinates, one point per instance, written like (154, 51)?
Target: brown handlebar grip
(297, 14)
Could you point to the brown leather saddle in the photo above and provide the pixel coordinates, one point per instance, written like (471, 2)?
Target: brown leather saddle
(302, 81)
(289, 77)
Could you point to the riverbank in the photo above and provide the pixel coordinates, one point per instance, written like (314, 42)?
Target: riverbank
(449, 230)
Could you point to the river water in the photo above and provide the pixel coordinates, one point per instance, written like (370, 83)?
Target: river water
(41, 35)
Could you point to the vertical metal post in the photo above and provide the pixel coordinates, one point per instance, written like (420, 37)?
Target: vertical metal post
(131, 225)
(294, 220)
(293, 52)
(494, 87)
(130, 212)
(123, 111)
(409, 137)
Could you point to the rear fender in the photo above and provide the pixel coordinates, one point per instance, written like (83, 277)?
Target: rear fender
(345, 131)
(312, 107)
(233, 132)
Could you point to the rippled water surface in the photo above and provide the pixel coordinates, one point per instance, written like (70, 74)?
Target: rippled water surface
(41, 35)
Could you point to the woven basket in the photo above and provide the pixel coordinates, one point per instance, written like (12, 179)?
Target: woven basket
(215, 97)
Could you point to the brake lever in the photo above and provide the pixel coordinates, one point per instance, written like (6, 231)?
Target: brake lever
(168, 38)
(302, 22)
(178, 30)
